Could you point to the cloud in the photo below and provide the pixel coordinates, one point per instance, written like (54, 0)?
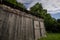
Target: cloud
(25, 1)
(53, 6)
(28, 3)
(56, 16)
(54, 11)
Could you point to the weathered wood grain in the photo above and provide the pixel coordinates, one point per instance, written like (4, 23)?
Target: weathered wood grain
(18, 25)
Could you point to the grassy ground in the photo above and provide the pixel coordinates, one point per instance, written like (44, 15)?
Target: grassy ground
(52, 36)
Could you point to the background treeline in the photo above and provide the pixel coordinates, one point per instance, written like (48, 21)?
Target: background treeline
(51, 24)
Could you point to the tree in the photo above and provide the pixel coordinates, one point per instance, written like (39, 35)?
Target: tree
(16, 3)
(58, 20)
(37, 8)
(51, 24)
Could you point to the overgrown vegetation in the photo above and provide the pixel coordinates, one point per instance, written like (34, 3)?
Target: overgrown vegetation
(15, 3)
(51, 36)
(19, 6)
(52, 25)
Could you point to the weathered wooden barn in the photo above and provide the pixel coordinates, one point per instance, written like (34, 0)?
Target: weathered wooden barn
(17, 24)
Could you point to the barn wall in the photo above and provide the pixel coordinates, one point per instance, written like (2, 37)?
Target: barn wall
(18, 25)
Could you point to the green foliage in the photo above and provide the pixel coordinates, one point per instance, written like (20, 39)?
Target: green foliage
(16, 3)
(37, 9)
(51, 24)
(52, 36)
(12, 1)
(58, 20)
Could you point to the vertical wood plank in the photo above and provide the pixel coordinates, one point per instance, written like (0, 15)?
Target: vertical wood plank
(43, 33)
(4, 26)
(37, 30)
(12, 25)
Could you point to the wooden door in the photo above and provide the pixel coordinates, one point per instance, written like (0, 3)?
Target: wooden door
(37, 30)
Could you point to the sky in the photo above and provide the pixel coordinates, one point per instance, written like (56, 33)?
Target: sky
(52, 6)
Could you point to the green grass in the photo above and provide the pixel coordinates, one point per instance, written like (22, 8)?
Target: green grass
(52, 36)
